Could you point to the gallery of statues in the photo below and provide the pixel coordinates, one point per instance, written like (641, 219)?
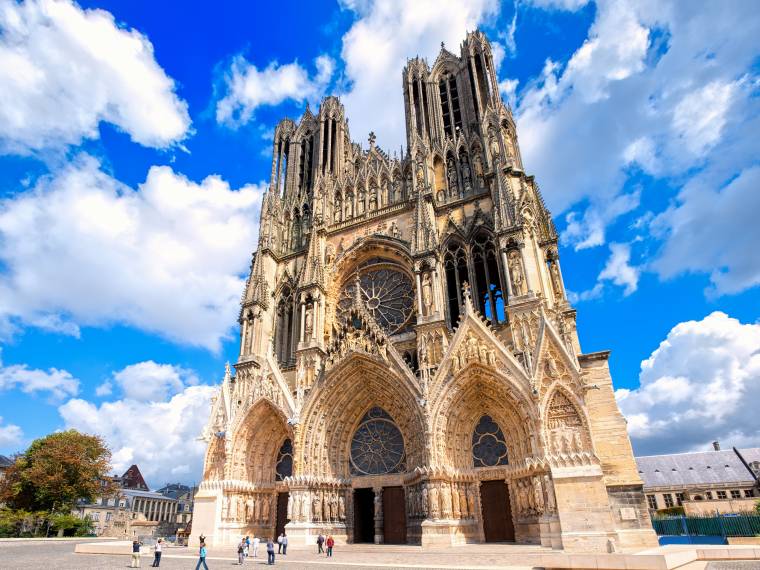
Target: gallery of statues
(409, 368)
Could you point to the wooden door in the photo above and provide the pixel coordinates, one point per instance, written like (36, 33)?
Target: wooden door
(394, 515)
(282, 513)
(496, 512)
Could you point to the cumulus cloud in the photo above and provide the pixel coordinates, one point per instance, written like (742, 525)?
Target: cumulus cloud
(656, 86)
(377, 45)
(247, 88)
(699, 385)
(58, 384)
(619, 269)
(161, 436)
(63, 70)
(82, 249)
(149, 381)
(10, 434)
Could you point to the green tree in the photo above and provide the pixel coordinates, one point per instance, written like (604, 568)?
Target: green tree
(757, 507)
(56, 471)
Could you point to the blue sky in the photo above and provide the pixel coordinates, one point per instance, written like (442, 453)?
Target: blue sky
(135, 146)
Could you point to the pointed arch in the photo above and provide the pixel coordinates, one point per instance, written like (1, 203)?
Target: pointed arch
(566, 428)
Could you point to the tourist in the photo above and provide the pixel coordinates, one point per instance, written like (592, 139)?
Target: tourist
(270, 551)
(135, 554)
(241, 552)
(157, 554)
(247, 546)
(320, 542)
(330, 543)
(279, 544)
(202, 559)
(284, 544)
(256, 546)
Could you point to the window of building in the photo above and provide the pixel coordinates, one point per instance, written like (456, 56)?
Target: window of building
(96, 516)
(679, 499)
(722, 495)
(736, 494)
(652, 502)
(122, 503)
(377, 446)
(108, 517)
(284, 461)
(709, 495)
(749, 493)
(668, 500)
(284, 331)
(489, 447)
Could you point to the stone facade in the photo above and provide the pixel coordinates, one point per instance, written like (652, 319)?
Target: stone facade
(409, 365)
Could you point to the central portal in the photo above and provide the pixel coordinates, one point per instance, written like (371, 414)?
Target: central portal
(364, 515)
(497, 512)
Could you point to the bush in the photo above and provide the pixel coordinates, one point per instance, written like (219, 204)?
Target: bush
(671, 512)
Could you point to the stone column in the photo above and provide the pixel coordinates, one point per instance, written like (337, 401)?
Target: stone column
(507, 276)
(329, 132)
(303, 319)
(379, 538)
(528, 282)
(420, 308)
(314, 318)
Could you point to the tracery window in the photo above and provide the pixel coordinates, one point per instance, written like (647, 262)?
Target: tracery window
(377, 446)
(489, 447)
(284, 467)
(388, 295)
(478, 265)
(285, 328)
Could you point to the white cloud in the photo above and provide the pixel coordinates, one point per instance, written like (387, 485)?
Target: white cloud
(149, 381)
(10, 434)
(63, 70)
(104, 389)
(569, 5)
(58, 383)
(701, 232)
(82, 249)
(160, 436)
(377, 45)
(656, 85)
(619, 270)
(247, 88)
(699, 385)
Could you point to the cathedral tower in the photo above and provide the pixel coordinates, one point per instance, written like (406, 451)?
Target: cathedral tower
(409, 368)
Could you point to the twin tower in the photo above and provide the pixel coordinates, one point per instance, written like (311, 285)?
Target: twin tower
(409, 367)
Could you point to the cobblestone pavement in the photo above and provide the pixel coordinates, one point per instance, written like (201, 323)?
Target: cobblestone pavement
(734, 565)
(60, 555)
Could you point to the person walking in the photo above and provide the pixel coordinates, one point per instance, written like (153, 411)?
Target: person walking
(157, 553)
(247, 546)
(241, 552)
(256, 546)
(279, 544)
(284, 544)
(320, 542)
(135, 554)
(202, 557)
(270, 551)
(330, 543)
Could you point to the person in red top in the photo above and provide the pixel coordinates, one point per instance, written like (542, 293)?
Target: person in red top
(330, 543)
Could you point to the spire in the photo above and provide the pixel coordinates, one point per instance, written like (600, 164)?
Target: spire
(256, 288)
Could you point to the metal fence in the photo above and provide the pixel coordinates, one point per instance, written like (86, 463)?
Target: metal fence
(708, 525)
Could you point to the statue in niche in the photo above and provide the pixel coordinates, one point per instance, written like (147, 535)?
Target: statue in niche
(516, 272)
(373, 199)
(249, 508)
(341, 508)
(362, 197)
(479, 173)
(452, 177)
(316, 505)
(551, 367)
(337, 209)
(434, 502)
(427, 294)
(395, 232)
(308, 322)
(466, 174)
(265, 508)
(420, 175)
(494, 146)
(556, 280)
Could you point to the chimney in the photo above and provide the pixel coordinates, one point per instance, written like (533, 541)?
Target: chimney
(716, 445)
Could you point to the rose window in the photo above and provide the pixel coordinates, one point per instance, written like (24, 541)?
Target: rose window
(377, 446)
(388, 295)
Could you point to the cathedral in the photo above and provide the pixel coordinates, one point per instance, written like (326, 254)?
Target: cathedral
(409, 369)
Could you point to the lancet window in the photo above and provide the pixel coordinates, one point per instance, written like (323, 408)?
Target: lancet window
(452, 115)
(478, 265)
(489, 447)
(285, 328)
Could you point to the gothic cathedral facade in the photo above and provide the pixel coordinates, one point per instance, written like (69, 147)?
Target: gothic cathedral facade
(409, 368)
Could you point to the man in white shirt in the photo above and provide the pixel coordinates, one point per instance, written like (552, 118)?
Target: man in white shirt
(255, 546)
